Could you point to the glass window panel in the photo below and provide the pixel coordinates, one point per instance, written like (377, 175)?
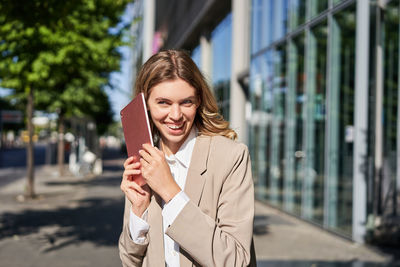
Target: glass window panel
(318, 6)
(336, 1)
(267, 124)
(296, 119)
(256, 84)
(267, 22)
(259, 97)
(265, 117)
(221, 39)
(300, 120)
(280, 18)
(316, 119)
(254, 81)
(278, 131)
(341, 122)
(390, 105)
(297, 13)
(256, 24)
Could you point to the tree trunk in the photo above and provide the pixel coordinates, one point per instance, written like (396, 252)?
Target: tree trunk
(60, 150)
(30, 191)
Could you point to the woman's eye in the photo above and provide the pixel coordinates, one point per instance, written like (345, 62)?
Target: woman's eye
(187, 102)
(162, 102)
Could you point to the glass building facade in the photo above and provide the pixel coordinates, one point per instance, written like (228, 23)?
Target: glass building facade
(221, 41)
(303, 93)
(220, 69)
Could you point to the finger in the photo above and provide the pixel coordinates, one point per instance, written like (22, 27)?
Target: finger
(128, 161)
(144, 164)
(127, 185)
(132, 166)
(154, 152)
(136, 187)
(150, 149)
(145, 155)
(128, 173)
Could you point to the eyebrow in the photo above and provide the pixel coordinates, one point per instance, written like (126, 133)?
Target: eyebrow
(186, 98)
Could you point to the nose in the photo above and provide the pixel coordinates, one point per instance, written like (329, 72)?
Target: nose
(175, 112)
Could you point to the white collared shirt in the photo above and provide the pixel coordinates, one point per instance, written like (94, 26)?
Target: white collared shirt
(179, 165)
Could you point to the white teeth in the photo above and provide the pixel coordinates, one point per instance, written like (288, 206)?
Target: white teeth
(175, 126)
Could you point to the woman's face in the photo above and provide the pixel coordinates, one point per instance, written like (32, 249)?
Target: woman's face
(173, 106)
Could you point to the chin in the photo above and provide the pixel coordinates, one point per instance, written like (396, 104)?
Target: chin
(175, 138)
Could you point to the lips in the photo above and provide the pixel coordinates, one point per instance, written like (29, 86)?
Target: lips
(175, 128)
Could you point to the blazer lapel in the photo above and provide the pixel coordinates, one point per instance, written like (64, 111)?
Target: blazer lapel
(193, 188)
(195, 181)
(156, 235)
(198, 165)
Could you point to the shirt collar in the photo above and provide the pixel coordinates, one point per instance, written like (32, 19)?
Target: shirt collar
(184, 153)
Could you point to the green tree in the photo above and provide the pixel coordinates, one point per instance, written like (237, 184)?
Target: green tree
(59, 55)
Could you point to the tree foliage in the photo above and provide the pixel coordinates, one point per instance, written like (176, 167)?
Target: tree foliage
(58, 55)
(64, 50)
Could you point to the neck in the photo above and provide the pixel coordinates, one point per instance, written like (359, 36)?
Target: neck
(169, 149)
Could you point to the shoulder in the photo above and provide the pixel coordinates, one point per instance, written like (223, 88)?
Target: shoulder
(222, 141)
(221, 146)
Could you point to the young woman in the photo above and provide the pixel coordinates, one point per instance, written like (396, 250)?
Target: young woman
(197, 207)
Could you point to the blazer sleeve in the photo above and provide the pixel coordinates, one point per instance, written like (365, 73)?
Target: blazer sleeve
(131, 254)
(227, 240)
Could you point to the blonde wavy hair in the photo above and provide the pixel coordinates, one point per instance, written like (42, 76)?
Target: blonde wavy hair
(177, 64)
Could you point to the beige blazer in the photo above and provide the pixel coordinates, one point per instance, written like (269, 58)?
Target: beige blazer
(215, 227)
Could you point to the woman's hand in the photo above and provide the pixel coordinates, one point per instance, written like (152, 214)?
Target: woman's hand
(156, 172)
(139, 196)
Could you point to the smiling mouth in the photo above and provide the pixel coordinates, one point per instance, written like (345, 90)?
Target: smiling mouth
(175, 127)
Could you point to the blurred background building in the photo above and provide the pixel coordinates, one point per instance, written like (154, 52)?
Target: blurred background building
(312, 87)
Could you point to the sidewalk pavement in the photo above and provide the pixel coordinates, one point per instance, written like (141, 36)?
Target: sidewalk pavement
(77, 221)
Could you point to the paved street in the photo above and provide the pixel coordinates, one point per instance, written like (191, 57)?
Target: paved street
(73, 222)
(77, 221)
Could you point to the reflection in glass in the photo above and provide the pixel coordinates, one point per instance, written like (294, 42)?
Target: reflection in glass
(280, 17)
(264, 117)
(256, 25)
(336, 1)
(262, 24)
(267, 27)
(260, 85)
(269, 22)
(256, 85)
(313, 199)
(297, 13)
(267, 124)
(390, 104)
(221, 39)
(318, 6)
(296, 119)
(341, 122)
(277, 156)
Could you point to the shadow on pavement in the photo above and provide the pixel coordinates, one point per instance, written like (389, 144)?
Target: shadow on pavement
(109, 180)
(96, 220)
(262, 223)
(299, 263)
